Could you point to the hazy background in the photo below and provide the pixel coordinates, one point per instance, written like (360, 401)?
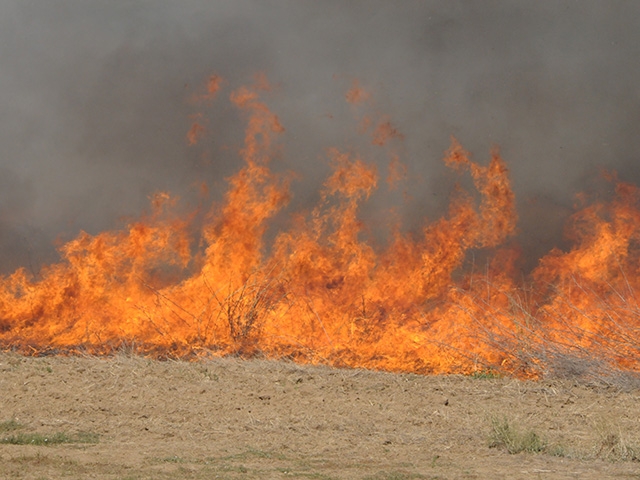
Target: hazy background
(94, 101)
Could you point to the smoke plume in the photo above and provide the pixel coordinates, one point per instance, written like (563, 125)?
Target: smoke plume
(95, 102)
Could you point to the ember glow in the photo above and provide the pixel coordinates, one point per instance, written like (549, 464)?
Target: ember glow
(321, 292)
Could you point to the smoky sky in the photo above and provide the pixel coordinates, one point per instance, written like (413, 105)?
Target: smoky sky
(94, 101)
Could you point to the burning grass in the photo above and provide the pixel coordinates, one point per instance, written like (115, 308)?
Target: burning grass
(324, 292)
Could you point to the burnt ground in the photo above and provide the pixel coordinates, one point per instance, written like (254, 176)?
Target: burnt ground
(128, 417)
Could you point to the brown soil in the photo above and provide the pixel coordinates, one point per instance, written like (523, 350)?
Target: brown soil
(228, 418)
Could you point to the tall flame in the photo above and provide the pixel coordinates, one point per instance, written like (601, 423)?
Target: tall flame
(320, 293)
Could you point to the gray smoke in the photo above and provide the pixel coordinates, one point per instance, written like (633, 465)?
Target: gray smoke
(95, 100)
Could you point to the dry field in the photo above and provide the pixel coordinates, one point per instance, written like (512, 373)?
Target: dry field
(128, 417)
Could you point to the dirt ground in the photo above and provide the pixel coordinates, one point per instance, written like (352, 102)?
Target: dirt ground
(128, 417)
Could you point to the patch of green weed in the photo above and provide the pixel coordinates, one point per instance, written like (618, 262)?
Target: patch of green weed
(10, 425)
(486, 374)
(172, 459)
(49, 439)
(395, 476)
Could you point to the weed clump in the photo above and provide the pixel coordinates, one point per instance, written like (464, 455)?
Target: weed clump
(504, 434)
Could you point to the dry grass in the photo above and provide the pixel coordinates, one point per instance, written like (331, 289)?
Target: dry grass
(261, 419)
(615, 445)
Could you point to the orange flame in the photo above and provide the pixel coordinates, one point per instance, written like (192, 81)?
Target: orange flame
(321, 293)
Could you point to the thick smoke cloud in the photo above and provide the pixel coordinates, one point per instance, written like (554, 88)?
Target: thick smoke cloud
(95, 100)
